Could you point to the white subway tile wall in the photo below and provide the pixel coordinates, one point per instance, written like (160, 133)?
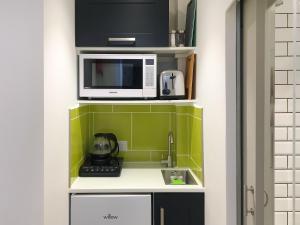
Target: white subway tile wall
(285, 50)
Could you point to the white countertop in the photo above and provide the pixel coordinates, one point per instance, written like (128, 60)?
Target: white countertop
(131, 180)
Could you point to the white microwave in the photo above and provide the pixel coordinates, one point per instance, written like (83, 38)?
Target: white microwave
(106, 76)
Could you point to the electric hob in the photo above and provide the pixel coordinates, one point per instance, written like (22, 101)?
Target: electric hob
(111, 167)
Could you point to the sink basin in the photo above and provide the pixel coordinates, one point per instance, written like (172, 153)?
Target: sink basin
(178, 177)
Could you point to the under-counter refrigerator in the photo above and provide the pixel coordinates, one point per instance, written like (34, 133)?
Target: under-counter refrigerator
(87, 209)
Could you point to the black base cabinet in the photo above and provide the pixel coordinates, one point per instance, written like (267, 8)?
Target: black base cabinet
(178, 208)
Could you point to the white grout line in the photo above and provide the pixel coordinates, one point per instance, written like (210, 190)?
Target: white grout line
(89, 129)
(77, 117)
(93, 123)
(194, 162)
(182, 114)
(170, 121)
(188, 134)
(195, 117)
(75, 107)
(148, 150)
(183, 155)
(131, 132)
(131, 112)
(188, 114)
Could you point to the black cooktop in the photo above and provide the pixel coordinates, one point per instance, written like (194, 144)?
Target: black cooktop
(111, 167)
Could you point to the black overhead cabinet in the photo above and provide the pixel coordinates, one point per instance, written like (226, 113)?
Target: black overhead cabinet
(138, 23)
(178, 208)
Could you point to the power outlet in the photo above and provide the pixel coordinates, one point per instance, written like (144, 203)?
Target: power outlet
(123, 146)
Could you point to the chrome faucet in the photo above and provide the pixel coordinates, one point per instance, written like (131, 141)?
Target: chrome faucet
(170, 142)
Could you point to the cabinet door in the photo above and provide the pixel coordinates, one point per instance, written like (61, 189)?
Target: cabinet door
(110, 209)
(140, 23)
(179, 209)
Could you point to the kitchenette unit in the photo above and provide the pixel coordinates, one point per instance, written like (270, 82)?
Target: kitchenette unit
(136, 149)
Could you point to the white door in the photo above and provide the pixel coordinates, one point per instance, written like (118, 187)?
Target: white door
(258, 107)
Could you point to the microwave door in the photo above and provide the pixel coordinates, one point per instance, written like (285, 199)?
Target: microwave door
(107, 75)
(113, 74)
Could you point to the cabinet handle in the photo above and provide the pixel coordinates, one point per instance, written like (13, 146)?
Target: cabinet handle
(267, 199)
(248, 211)
(162, 216)
(121, 39)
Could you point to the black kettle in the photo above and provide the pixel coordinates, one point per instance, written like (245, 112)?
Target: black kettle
(105, 146)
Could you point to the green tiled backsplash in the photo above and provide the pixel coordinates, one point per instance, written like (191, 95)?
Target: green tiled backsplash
(144, 127)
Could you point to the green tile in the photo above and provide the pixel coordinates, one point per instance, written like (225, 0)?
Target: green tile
(193, 111)
(73, 174)
(76, 142)
(79, 142)
(182, 133)
(174, 159)
(74, 171)
(73, 113)
(79, 139)
(157, 156)
(100, 108)
(150, 131)
(131, 108)
(196, 140)
(117, 123)
(181, 109)
(190, 110)
(193, 165)
(163, 108)
(174, 130)
(198, 112)
(136, 156)
(85, 128)
(183, 161)
(84, 109)
(199, 175)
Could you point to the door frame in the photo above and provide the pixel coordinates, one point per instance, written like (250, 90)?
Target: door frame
(256, 112)
(234, 113)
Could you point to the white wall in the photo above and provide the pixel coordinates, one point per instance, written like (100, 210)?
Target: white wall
(211, 92)
(60, 94)
(21, 112)
(232, 155)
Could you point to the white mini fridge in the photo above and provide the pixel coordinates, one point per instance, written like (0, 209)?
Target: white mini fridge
(89, 209)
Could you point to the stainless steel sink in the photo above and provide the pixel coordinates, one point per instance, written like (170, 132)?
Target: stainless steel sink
(178, 177)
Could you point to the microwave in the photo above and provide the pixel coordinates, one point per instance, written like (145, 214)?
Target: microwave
(117, 76)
